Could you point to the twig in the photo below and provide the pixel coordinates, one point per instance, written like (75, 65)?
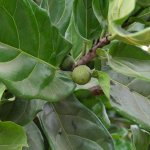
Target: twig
(92, 53)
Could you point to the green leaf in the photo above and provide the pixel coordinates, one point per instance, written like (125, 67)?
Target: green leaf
(140, 138)
(144, 3)
(39, 2)
(34, 136)
(94, 103)
(59, 12)
(100, 9)
(104, 82)
(20, 111)
(119, 11)
(129, 60)
(85, 21)
(8, 138)
(142, 19)
(100, 110)
(2, 89)
(121, 140)
(130, 97)
(135, 27)
(139, 38)
(29, 51)
(73, 37)
(73, 127)
(43, 4)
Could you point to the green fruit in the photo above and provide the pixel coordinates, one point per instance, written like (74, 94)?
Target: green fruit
(81, 74)
(68, 63)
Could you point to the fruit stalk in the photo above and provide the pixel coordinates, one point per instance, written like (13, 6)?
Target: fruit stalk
(92, 53)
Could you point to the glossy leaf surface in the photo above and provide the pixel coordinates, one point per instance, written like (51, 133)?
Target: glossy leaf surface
(20, 111)
(130, 60)
(70, 126)
(73, 37)
(59, 11)
(140, 138)
(94, 103)
(130, 97)
(34, 136)
(8, 138)
(100, 9)
(85, 21)
(29, 53)
(104, 82)
(119, 11)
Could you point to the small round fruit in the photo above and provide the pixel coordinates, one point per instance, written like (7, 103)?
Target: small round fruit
(68, 63)
(81, 75)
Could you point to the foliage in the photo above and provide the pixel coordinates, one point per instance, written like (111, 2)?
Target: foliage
(41, 106)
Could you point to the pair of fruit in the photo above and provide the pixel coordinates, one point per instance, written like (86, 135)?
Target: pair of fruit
(80, 75)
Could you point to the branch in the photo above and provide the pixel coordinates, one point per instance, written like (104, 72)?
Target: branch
(92, 53)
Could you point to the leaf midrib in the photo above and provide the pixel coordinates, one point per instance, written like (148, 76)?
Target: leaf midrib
(38, 50)
(37, 58)
(126, 86)
(75, 117)
(133, 93)
(62, 127)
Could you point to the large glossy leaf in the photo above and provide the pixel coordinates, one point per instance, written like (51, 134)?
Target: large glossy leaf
(85, 21)
(129, 60)
(59, 12)
(8, 138)
(131, 98)
(73, 37)
(119, 11)
(140, 138)
(71, 126)
(29, 51)
(20, 111)
(139, 38)
(100, 9)
(34, 136)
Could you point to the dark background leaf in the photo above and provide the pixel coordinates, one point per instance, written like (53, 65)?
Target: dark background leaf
(74, 127)
(34, 136)
(20, 111)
